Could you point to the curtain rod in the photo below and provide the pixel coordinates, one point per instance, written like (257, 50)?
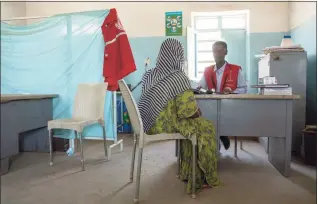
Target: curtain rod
(37, 17)
(24, 18)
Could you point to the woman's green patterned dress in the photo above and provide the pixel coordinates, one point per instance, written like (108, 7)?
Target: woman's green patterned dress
(175, 118)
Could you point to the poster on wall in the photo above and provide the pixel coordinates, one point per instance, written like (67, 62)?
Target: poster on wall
(173, 23)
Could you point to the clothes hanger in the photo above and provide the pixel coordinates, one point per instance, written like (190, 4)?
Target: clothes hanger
(147, 62)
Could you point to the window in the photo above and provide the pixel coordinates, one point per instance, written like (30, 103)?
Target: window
(206, 23)
(209, 28)
(204, 55)
(232, 22)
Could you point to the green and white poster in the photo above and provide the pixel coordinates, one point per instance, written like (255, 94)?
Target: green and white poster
(173, 23)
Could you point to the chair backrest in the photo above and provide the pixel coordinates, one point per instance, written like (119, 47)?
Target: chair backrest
(132, 109)
(90, 101)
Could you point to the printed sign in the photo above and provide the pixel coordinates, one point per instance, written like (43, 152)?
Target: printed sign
(173, 23)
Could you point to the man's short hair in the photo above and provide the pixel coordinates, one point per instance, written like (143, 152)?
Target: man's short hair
(221, 43)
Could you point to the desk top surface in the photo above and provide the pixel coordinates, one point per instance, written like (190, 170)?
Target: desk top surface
(248, 96)
(15, 97)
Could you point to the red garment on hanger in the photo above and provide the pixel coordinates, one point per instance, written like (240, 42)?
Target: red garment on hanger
(118, 58)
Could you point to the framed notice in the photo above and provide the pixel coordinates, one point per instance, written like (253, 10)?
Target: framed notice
(173, 23)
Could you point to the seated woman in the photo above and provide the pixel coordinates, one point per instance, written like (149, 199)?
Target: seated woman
(167, 105)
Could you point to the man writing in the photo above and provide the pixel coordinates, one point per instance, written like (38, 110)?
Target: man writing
(223, 77)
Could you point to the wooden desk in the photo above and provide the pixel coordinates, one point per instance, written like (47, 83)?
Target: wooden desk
(254, 116)
(24, 125)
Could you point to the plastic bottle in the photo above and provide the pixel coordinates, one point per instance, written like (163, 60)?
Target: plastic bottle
(286, 41)
(127, 127)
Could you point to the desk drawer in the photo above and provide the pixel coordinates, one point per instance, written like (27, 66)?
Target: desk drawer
(33, 113)
(21, 116)
(263, 118)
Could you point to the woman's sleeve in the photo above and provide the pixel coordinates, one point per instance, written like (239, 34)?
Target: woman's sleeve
(186, 105)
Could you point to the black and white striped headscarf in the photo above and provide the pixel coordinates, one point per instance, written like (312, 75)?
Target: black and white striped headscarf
(164, 82)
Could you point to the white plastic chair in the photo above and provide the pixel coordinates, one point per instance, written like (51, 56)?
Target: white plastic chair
(88, 110)
(142, 139)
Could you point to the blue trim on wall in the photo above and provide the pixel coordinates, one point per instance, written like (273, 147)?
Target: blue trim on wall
(144, 47)
(305, 34)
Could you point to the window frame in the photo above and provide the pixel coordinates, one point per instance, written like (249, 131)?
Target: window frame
(219, 15)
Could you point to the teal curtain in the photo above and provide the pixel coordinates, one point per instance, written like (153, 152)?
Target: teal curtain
(52, 57)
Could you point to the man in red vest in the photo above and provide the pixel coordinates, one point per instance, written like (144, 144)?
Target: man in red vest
(223, 77)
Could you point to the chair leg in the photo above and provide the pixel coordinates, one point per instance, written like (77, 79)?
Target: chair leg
(136, 199)
(51, 148)
(82, 151)
(76, 143)
(194, 161)
(241, 144)
(235, 147)
(121, 146)
(132, 168)
(105, 144)
(179, 157)
(176, 148)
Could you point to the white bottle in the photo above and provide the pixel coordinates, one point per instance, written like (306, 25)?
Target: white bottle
(286, 41)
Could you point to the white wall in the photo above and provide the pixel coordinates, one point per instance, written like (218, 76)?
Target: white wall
(299, 12)
(13, 9)
(142, 19)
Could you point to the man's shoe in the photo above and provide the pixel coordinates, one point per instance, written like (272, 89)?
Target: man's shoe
(226, 142)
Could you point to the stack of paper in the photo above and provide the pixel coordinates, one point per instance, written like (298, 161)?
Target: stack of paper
(292, 48)
(277, 91)
(274, 89)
